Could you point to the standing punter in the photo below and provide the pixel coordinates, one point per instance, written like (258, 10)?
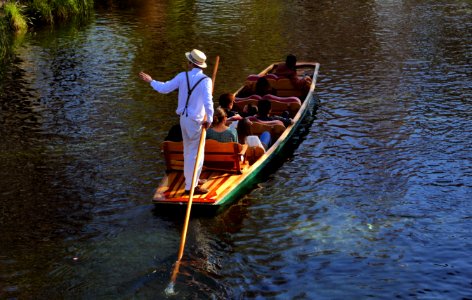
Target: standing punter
(195, 100)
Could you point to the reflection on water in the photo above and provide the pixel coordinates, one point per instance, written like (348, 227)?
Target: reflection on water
(372, 203)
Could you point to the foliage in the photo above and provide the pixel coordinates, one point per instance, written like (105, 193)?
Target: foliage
(66, 7)
(3, 39)
(41, 12)
(38, 12)
(14, 16)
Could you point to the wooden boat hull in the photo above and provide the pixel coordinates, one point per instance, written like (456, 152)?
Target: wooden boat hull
(226, 187)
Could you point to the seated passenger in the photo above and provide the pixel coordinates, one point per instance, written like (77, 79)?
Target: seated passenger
(263, 87)
(289, 70)
(226, 102)
(175, 134)
(219, 131)
(249, 110)
(264, 106)
(244, 133)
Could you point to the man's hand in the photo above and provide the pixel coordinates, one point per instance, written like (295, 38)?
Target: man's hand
(145, 77)
(206, 124)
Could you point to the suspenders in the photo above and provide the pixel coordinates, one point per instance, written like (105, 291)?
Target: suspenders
(189, 91)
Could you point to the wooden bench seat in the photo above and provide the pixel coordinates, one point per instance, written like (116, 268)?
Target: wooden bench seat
(285, 88)
(228, 157)
(282, 104)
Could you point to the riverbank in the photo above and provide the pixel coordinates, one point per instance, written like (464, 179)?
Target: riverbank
(19, 15)
(16, 17)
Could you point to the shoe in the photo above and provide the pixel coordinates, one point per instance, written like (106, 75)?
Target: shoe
(197, 191)
(202, 181)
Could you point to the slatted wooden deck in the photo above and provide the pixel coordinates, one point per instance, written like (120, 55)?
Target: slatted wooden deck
(172, 188)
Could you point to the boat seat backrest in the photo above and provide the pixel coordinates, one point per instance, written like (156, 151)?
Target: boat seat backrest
(239, 103)
(276, 128)
(281, 104)
(255, 97)
(218, 156)
(282, 85)
(173, 155)
(285, 88)
(250, 83)
(283, 99)
(224, 156)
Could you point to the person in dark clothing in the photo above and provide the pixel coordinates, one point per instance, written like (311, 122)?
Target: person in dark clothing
(263, 87)
(249, 110)
(264, 106)
(289, 70)
(174, 134)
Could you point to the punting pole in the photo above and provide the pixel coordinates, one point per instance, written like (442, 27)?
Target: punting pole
(170, 288)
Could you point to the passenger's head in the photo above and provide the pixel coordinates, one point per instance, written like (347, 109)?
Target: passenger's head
(262, 86)
(226, 100)
(250, 109)
(291, 61)
(219, 116)
(264, 107)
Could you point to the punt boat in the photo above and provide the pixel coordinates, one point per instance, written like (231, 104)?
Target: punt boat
(232, 169)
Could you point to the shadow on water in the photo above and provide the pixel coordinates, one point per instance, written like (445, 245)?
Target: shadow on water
(199, 272)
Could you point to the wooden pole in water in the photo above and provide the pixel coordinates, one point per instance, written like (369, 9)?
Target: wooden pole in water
(170, 288)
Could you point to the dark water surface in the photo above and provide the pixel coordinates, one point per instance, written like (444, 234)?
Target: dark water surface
(374, 203)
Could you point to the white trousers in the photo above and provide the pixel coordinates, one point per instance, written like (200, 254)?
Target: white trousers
(191, 131)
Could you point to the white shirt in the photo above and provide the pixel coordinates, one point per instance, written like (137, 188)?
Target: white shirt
(201, 100)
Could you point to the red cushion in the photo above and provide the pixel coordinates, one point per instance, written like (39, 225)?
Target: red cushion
(272, 76)
(255, 97)
(282, 99)
(252, 77)
(273, 122)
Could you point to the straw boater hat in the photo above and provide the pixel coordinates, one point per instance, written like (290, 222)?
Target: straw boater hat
(197, 58)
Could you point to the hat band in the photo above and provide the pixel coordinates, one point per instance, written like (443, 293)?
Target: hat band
(195, 61)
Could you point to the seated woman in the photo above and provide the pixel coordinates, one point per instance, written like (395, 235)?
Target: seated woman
(219, 131)
(226, 102)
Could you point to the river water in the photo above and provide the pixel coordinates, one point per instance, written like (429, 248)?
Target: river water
(375, 202)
